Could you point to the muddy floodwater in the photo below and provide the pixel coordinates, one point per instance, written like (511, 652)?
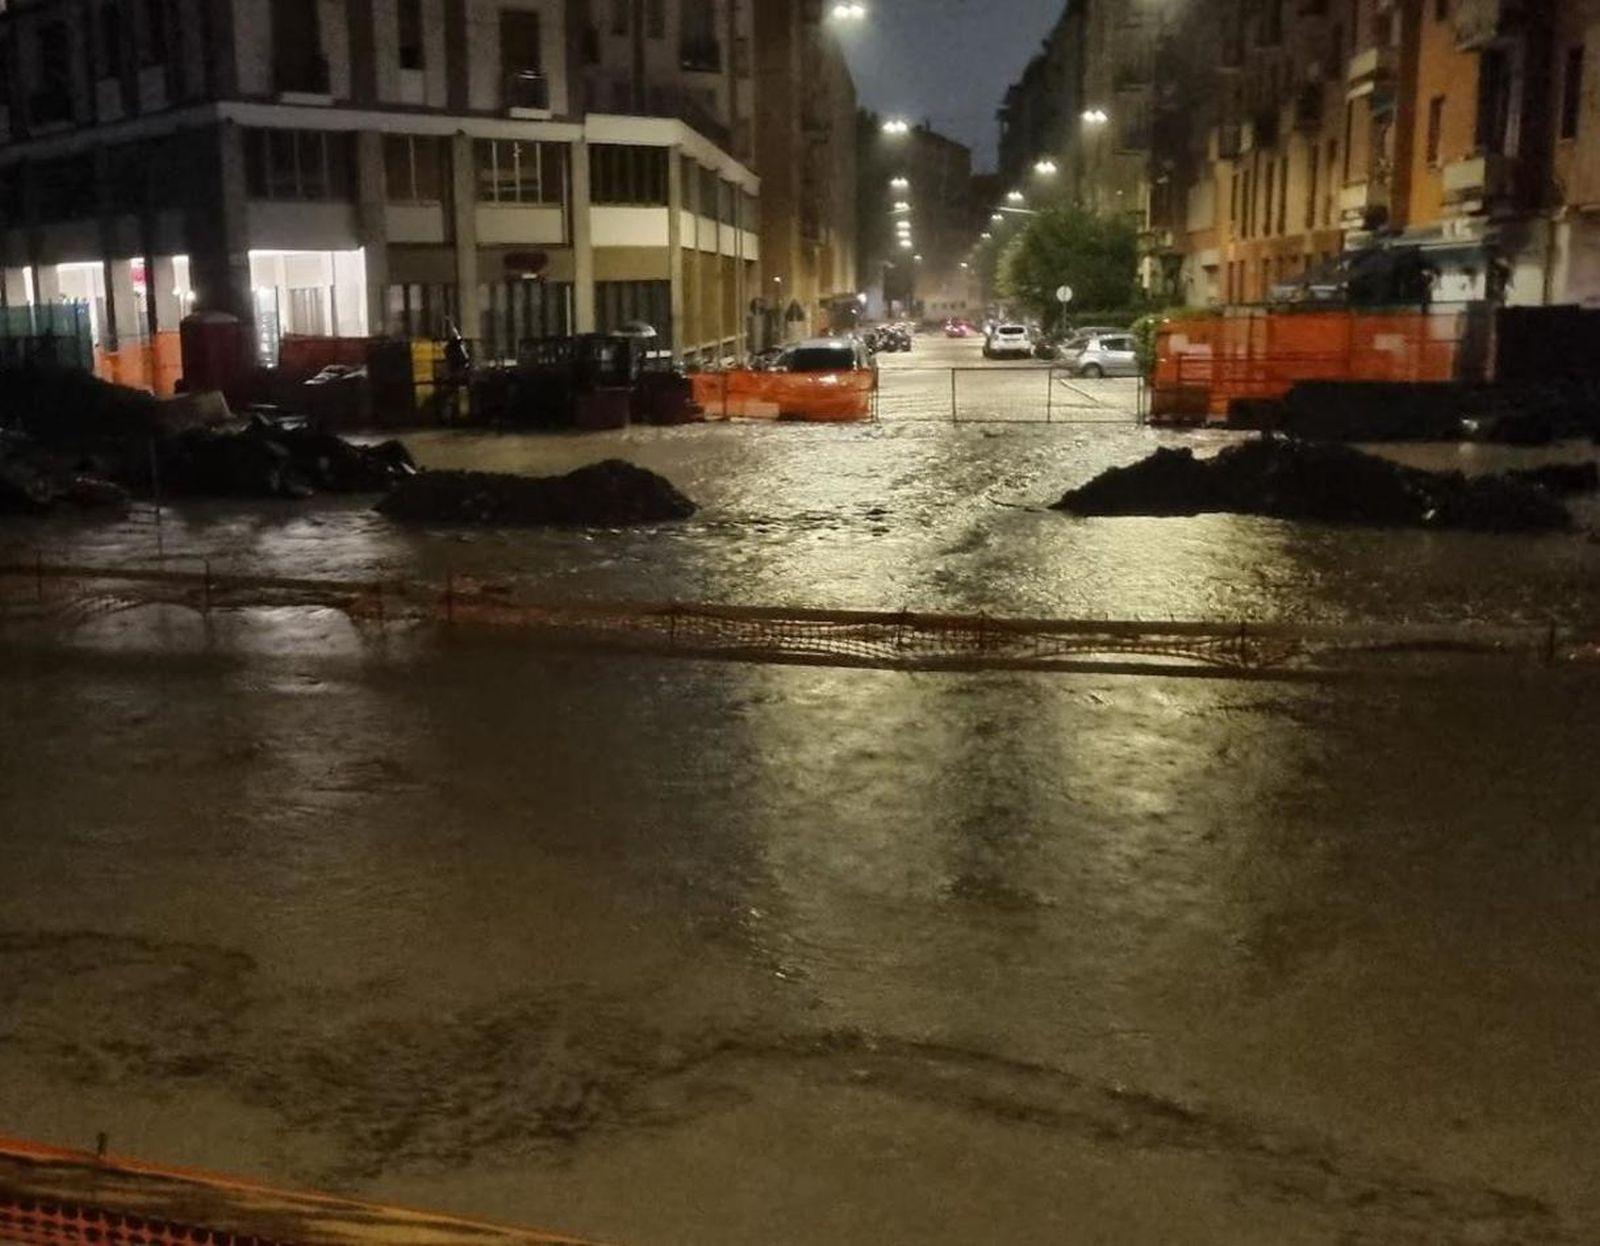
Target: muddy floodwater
(676, 952)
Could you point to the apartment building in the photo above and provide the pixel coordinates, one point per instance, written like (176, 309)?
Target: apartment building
(1463, 131)
(916, 206)
(1081, 122)
(515, 167)
(806, 155)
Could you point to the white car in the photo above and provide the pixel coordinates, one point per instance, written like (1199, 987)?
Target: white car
(1101, 354)
(1008, 341)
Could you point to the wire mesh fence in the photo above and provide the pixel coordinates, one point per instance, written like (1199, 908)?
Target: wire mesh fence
(1002, 394)
(68, 596)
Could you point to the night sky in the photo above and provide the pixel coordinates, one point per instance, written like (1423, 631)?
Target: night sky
(947, 61)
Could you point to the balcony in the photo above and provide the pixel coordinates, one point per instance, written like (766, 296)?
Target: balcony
(1476, 184)
(1479, 23)
(1371, 69)
(695, 111)
(526, 93)
(1364, 205)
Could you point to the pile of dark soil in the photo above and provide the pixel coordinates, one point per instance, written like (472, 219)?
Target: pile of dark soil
(1318, 482)
(608, 494)
(69, 430)
(264, 459)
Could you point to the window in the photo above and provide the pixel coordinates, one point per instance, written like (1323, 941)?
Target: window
(522, 60)
(1435, 128)
(511, 171)
(1494, 101)
(620, 303)
(1572, 92)
(413, 168)
(699, 48)
(298, 164)
(110, 39)
(297, 60)
(629, 175)
(156, 45)
(412, 54)
(52, 101)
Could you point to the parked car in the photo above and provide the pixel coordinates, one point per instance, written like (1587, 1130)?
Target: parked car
(1102, 354)
(1008, 341)
(826, 354)
(958, 328)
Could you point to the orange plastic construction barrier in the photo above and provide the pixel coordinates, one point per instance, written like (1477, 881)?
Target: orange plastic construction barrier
(51, 1197)
(154, 365)
(815, 397)
(1205, 364)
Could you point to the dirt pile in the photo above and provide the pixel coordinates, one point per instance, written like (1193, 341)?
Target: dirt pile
(72, 435)
(1317, 482)
(264, 459)
(608, 494)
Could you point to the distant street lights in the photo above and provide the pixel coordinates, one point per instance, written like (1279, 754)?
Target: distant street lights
(1046, 167)
(1016, 196)
(901, 205)
(1096, 116)
(899, 183)
(849, 12)
(896, 126)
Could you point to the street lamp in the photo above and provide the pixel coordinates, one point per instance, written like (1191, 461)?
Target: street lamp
(1096, 116)
(1016, 196)
(1046, 167)
(849, 12)
(906, 244)
(901, 205)
(896, 126)
(916, 259)
(899, 183)
(985, 236)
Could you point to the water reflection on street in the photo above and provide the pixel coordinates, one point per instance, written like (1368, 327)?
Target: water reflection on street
(680, 952)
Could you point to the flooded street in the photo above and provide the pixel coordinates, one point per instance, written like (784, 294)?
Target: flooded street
(675, 952)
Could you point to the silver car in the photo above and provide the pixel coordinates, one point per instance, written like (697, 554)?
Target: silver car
(1102, 354)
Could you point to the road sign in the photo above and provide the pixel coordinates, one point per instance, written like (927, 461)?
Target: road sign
(1064, 294)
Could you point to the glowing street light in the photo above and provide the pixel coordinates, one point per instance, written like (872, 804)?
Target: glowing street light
(964, 264)
(997, 217)
(906, 244)
(916, 259)
(986, 236)
(896, 125)
(899, 183)
(1046, 167)
(1016, 196)
(901, 206)
(849, 12)
(1096, 116)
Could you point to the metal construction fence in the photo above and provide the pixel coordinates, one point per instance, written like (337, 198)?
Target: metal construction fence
(1206, 364)
(65, 597)
(992, 394)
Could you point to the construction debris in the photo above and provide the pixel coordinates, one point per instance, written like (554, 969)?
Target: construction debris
(1320, 483)
(608, 494)
(72, 435)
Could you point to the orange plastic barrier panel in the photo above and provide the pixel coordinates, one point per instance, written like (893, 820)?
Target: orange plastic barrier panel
(812, 397)
(154, 365)
(1265, 355)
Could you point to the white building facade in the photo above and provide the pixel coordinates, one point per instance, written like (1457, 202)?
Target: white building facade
(516, 168)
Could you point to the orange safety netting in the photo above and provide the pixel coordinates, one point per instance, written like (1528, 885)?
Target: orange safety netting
(53, 1197)
(820, 397)
(155, 365)
(1204, 365)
